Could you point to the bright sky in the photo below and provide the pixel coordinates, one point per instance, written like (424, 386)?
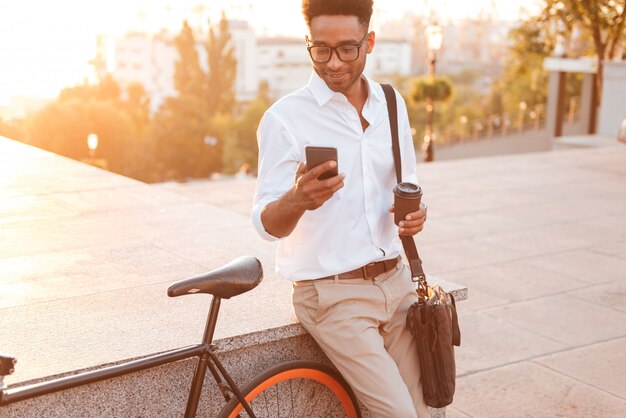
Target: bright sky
(46, 45)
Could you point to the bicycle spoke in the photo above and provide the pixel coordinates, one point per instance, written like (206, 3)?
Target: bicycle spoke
(277, 401)
(338, 404)
(291, 392)
(316, 396)
(265, 400)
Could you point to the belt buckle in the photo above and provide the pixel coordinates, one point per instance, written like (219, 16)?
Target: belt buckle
(366, 272)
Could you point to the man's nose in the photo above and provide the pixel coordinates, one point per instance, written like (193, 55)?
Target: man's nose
(334, 62)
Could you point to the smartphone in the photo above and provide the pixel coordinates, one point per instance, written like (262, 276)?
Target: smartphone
(318, 155)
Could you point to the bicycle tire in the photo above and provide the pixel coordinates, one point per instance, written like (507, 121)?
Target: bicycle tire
(313, 383)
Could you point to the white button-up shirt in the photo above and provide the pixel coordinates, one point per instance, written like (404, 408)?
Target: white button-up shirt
(354, 227)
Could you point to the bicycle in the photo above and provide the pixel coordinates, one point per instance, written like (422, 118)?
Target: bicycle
(288, 389)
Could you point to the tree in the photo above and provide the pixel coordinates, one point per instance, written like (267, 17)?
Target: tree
(433, 88)
(241, 148)
(181, 130)
(62, 127)
(189, 79)
(121, 124)
(137, 106)
(222, 71)
(524, 78)
(602, 20)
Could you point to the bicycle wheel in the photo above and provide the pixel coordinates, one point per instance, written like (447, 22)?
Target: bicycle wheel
(296, 389)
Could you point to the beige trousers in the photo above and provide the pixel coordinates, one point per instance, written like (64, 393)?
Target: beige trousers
(360, 325)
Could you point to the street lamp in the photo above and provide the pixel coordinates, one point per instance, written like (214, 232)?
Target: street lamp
(92, 144)
(522, 109)
(434, 38)
(463, 119)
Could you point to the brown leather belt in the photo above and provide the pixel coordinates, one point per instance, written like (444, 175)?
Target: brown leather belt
(368, 271)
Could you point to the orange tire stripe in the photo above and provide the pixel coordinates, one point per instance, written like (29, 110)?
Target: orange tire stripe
(312, 374)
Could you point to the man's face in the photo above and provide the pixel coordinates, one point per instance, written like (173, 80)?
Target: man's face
(334, 31)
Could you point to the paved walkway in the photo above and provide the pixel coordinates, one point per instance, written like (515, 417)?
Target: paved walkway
(539, 239)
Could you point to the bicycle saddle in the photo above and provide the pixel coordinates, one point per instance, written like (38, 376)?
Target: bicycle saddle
(237, 277)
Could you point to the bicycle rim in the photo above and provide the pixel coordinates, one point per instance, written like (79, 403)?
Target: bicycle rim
(296, 389)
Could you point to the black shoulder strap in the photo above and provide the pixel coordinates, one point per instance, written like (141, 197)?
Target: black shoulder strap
(415, 263)
(392, 107)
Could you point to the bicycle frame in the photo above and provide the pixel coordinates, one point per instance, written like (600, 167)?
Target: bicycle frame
(204, 351)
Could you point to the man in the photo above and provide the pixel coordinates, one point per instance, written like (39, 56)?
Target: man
(338, 243)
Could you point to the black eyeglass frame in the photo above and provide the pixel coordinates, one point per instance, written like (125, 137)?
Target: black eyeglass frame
(334, 49)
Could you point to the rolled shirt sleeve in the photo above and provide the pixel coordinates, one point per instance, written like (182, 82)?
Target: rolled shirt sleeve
(278, 160)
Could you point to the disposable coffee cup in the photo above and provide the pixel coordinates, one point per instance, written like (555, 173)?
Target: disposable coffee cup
(407, 198)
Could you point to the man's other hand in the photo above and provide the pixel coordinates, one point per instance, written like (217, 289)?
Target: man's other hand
(413, 222)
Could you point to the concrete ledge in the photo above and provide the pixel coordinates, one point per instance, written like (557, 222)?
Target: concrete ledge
(163, 391)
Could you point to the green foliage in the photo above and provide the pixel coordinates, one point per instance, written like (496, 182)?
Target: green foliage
(189, 79)
(180, 125)
(434, 88)
(523, 78)
(121, 125)
(600, 23)
(178, 133)
(603, 21)
(220, 97)
(241, 148)
(137, 105)
(190, 131)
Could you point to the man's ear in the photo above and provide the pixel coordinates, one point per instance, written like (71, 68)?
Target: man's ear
(371, 41)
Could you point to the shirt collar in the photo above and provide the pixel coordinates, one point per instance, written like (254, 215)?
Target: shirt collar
(322, 93)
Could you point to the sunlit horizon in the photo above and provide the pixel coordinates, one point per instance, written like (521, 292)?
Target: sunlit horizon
(46, 46)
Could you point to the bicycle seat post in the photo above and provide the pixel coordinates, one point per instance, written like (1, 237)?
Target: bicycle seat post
(212, 320)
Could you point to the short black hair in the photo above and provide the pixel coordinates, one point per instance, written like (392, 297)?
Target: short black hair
(359, 8)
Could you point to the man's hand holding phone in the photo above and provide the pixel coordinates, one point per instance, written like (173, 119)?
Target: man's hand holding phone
(312, 188)
(311, 192)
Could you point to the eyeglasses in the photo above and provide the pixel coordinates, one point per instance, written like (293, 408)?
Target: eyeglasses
(346, 53)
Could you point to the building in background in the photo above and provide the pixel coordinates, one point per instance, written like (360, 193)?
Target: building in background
(479, 44)
(474, 44)
(282, 63)
(150, 60)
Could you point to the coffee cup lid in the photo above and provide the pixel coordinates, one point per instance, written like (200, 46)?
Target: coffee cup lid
(407, 189)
